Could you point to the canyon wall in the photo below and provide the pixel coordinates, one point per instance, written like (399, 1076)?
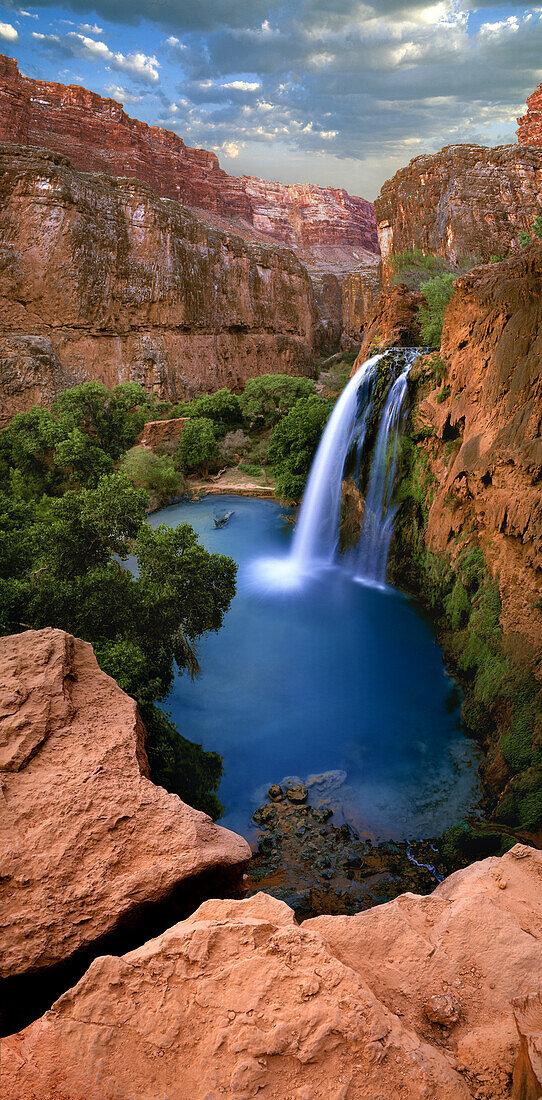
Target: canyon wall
(530, 125)
(466, 203)
(100, 278)
(97, 135)
(490, 414)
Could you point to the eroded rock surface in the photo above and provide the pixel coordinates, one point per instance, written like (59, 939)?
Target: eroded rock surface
(327, 1011)
(391, 322)
(466, 203)
(85, 837)
(102, 279)
(488, 417)
(530, 125)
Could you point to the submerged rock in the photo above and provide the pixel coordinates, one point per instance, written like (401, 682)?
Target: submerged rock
(86, 839)
(325, 1011)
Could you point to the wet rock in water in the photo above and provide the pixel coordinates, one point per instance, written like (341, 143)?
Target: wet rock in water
(264, 815)
(275, 793)
(297, 794)
(442, 1009)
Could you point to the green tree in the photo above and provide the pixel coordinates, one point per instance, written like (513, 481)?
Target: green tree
(112, 418)
(437, 293)
(294, 442)
(222, 407)
(152, 472)
(271, 396)
(198, 448)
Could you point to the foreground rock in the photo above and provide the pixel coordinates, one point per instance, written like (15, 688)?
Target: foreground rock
(466, 203)
(391, 322)
(333, 1010)
(86, 839)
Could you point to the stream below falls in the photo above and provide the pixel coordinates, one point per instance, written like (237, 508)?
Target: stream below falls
(335, 680)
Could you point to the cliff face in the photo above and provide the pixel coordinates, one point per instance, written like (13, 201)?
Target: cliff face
(466, 203)
(414, 998)
(98, 136)
(102, 279)
(530, 125)
(491, 410)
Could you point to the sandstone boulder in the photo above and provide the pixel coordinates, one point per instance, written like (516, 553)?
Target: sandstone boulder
(86, 839)
(477, 939)
(238, 1001)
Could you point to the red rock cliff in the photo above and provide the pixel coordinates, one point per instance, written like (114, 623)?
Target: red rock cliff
(465, 203)
(97, 135)
(530, 125)
(102, 279)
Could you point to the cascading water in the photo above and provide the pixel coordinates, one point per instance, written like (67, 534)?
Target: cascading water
(316, 536)
(379, 511)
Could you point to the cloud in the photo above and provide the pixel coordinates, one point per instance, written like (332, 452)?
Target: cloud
(29, 14)
(90, 28)
(8, 32)
(137, 65)
(121, 94)
(243, 85)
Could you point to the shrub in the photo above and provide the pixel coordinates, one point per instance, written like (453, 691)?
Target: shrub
(437, 293)
(250, 469)
(293, 445)
(525, 238)
(271, 396)
(412, 267)
(198, 449)
(154, 473)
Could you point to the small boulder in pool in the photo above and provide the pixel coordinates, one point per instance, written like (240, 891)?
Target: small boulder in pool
(221, 521)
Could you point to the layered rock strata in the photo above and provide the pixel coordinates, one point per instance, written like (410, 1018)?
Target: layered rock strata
(530, 125)
(98, 136)
(466, 203)
(86, 839)
(490, 413)
(101, 279)
(390, 322)
(409, 999)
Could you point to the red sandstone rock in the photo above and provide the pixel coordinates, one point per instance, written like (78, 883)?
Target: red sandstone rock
(481, 943)
(465, 203)
(85, 837)
(160, 434)
(97, 135)
(530, 125)
(391, 321)
(121, 285)
(527, 1081)
(490, 483)
(238, 1001)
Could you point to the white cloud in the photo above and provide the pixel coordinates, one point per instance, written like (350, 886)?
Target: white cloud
(90, 28)
(242, 85)
(137, 65)
(29, 14)
(122, 95)
(8, 32)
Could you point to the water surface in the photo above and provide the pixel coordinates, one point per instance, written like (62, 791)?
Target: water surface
(335, 678)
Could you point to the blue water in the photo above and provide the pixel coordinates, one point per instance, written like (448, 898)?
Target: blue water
(338, 681)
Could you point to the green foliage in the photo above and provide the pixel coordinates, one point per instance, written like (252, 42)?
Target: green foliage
(437, 292)
(222, 407)
(152, 472)
(62, 545)
(443, 395)
(413, 266)
(250, 469)
(113, 418)
(266, 399)
(525, 238)
(293, 445)
(198, 449)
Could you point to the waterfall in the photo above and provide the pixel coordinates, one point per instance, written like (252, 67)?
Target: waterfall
(316, 537)
(379, 511)
(317, 528)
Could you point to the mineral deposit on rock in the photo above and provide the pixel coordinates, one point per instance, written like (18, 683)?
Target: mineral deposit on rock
(85, 837)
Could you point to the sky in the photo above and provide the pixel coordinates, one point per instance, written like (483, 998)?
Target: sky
(336, 92)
